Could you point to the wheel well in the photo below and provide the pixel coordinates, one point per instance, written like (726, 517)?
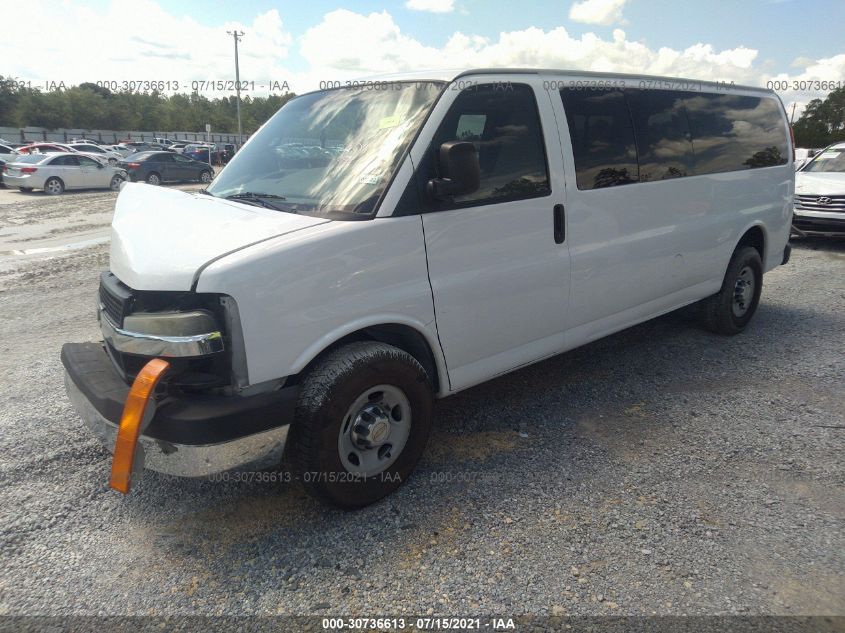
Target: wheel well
(404, 337)
(754, 237)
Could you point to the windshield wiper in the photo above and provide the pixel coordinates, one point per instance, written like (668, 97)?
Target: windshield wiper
(258, 198)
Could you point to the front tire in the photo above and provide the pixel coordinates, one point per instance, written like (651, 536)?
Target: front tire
(205, 176)
(361, 425)
(729, 311)
(115, 183)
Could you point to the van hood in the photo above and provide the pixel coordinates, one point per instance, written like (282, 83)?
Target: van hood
(810, 183)
(161, 238)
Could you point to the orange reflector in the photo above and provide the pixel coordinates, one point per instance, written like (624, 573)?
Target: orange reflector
(130, 423)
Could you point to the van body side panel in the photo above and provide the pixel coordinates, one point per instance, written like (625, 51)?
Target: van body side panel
(645, 248)
(297, 298)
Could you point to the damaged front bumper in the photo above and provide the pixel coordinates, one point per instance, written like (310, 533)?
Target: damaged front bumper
(190, 435)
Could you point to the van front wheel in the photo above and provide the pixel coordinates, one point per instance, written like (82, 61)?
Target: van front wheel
(730, 310)
(362, 422)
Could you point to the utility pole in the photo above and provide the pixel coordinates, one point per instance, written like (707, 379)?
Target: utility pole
(792, 118)
(237, 35)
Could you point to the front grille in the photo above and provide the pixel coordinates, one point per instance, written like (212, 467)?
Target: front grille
(833, 204)
(115, 297)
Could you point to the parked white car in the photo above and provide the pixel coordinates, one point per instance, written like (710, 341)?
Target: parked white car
(820, 193)
(111, 156)
(57, 172)
(369, 250)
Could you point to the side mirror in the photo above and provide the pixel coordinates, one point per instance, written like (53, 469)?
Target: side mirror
(459, 169)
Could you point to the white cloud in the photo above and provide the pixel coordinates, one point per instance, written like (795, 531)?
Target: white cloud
(346, 45)
(132, 41)
(604, 12)
(432, 6)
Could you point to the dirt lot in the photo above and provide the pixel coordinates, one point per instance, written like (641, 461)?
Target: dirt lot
(662, 470)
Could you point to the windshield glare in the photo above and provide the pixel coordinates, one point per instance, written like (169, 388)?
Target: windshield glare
(829, 160)
(331, 152)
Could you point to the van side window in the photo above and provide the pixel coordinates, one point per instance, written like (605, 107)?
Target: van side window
(664, 146)
(602, 137)
(504, 124)
(734, 132)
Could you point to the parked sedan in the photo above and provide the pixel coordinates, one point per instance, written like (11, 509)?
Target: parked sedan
(7, 154)
(158, 167)
(58, 148)
(54, 173)
(110, 156)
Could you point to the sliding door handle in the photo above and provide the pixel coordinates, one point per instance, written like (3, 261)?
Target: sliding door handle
(559, 224)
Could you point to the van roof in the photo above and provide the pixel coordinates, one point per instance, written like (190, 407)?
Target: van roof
(453, 74)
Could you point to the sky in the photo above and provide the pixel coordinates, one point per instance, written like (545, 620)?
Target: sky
(296, 46)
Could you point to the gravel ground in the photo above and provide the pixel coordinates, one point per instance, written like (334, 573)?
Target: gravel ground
(661, 470)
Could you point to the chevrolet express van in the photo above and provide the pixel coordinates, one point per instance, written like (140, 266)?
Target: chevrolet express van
(376, 245)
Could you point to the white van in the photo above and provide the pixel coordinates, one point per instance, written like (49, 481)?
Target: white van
(380, 244)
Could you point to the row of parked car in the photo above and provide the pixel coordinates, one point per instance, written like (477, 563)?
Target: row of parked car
(85, 164)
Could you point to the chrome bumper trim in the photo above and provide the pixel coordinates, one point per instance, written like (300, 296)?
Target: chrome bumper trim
(257, 451)
(159, 345)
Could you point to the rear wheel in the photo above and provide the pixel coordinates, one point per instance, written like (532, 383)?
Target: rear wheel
(54, 186)
(362, 422)
(112, 161)
(730, 310)
(153, 179)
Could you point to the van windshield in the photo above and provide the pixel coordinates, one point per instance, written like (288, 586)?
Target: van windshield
(330, 153)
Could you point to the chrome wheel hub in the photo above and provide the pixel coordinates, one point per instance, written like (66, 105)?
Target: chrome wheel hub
(374, 430)
(743, 292)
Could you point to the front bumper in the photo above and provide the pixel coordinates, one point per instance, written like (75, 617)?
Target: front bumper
(190, 435)
(819, 222)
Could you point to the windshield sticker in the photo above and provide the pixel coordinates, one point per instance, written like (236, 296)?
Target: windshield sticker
(389, 121)
(369, 179)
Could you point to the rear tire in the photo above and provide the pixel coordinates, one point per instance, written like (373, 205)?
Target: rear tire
(54, 186)
(153, 179)
(729, 311)
(362, 422)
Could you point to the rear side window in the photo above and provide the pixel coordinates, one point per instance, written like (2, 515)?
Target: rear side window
(504, 124)
(645, 135)
(602, 137)
(733, 132)
(664, 145)
(65, 161)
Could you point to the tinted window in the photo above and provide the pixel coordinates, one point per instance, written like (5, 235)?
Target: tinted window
(732, 132)
(161, 158)
(87, 162)
(662, 134)
(65, 161)
(602, 137)
(504, 125)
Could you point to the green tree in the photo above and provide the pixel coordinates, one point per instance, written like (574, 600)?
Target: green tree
(822, 122)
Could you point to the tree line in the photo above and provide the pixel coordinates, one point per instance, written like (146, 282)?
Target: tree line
(92, 107)
(822, 122)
